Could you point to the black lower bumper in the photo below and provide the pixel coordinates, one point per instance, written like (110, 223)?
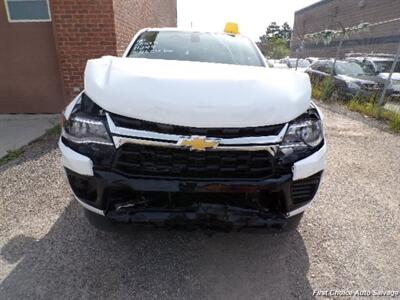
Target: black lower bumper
(203, 215)
(249, 203)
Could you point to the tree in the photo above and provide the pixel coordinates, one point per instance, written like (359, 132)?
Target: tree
(286, 32)
(273, 31)
(276, 40)
(277, 48)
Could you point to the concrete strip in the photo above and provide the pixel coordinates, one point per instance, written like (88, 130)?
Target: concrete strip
(19, 130)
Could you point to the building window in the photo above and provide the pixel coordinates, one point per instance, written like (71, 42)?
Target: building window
(28, 10)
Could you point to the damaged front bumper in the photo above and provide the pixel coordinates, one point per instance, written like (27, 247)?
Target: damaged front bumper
(208, 203)
(202, 204)
(206, 215)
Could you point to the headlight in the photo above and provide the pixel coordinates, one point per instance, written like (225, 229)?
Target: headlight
(86, 124)
(302, 134)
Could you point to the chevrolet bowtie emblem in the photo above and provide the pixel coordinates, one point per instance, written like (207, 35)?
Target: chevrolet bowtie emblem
(199, 143)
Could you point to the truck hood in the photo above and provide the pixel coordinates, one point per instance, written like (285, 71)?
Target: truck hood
(196, 94)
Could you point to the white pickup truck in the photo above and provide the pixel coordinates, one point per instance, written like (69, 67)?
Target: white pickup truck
(192, 128)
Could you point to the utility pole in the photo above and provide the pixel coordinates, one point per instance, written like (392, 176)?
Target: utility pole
(396, 60)
(339, 48)
(300, 48)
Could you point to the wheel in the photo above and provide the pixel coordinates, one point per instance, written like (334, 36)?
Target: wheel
(293, 222)
(99, 222)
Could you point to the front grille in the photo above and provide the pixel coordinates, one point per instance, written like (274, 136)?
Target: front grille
(304, 190)
(133, 160)
(136, 124)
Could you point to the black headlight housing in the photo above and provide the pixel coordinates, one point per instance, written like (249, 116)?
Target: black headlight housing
(86, 131)
(87, 124)
(303, 137)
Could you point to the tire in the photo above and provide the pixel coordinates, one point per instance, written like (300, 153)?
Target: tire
(293, 222)
(99, 222)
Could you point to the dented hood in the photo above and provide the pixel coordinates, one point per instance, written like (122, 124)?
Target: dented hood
(196, 94)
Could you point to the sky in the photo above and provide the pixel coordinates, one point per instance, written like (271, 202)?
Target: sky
(253, 16)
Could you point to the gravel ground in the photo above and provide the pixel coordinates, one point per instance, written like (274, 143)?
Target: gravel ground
(349, 239)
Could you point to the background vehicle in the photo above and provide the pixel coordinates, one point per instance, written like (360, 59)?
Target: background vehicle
(312, 60)
(278, 64)
(350, 78)
(290, 63)
(302, 64)
(381, 66)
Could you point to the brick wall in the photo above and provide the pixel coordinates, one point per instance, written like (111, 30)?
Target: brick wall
(331, 14)
(133, 15)
(85, 29)
(82, 30)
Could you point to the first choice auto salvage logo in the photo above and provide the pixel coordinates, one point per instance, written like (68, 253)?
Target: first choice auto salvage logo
(357, 293)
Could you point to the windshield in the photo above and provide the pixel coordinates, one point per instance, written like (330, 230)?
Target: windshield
(196, 46)
(367, 68)
(348, 68)
(384, 66)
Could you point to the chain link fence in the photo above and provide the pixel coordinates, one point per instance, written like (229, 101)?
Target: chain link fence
(350, 50)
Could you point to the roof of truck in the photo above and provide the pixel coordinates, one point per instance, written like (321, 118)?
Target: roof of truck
(187, 30)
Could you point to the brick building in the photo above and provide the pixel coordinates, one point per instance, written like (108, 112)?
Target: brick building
(45, 45)
(333, 14)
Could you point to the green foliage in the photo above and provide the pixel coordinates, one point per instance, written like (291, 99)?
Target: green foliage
(372, 109)
(11, 155)
(316, 92)
(325, 90)
(276, 41)
(366, 108)
(277, 48)
(395, 123)
(273, 31)
(286, 32)
(328, 89)
(56, 130)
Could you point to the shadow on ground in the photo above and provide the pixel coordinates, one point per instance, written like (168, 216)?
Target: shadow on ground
(74, 260)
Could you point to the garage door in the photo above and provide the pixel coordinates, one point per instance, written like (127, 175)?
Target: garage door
(29, 75)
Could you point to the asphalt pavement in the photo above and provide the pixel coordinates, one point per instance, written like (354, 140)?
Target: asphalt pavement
(348, 240)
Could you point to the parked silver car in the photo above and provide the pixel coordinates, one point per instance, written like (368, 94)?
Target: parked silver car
(381, 67)
(350, 78)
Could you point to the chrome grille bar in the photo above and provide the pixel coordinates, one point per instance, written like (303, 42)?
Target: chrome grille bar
(123, 135)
